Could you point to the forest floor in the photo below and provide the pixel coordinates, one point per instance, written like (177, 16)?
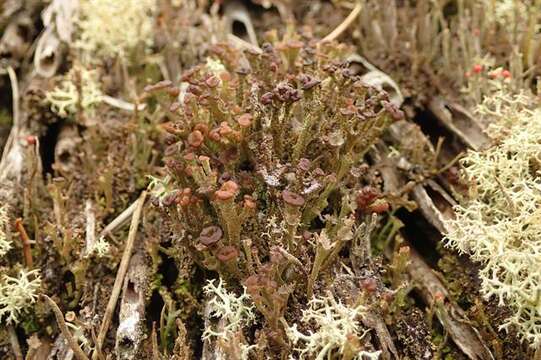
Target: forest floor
(150, 207)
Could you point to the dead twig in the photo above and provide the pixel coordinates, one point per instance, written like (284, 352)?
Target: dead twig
(79, 353)
(345, 24)
(119, 220)
(15, 97)
(124, 262)
(90, 226)
(27, 250)
(16, 109)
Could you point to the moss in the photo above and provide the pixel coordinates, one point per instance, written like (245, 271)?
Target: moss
(5, 118)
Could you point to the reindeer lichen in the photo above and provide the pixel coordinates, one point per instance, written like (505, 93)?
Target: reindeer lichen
(17, 294)
(78, 90)
(338, 331)
(234, 313)
(112, 28)
(499, 224)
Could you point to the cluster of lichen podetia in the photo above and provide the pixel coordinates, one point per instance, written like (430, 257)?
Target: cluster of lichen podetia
(263, 167)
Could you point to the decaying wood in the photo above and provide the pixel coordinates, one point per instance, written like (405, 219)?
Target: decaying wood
(132, 322)
(60, 349)
(16, 39)
(428, 208)
(12, 157)
(66, 149)
(235, 11)
(372, 76)
(376, 322)
(48, 55)
(58, 20)
(8, 9)
(419, 193)
(459, 122)
(451, 316)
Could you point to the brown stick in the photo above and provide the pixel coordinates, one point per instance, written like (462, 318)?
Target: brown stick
(27, 251)
(124, 262)
(77, 351)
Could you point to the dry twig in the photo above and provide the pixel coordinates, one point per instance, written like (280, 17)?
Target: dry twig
(79, 353)
(124, 262)
(27, 251)
(344, 24)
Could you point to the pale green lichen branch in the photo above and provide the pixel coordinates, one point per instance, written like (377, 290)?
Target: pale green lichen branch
(499, 224)
(17, 294)
(108, 29)
(67, 98)
(234, 313)
(335, 325)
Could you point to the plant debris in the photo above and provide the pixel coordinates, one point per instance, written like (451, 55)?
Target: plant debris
(318, 179)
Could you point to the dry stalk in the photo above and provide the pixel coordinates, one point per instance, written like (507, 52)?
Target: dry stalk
(124, 262)
(16, 109)
(119, 220)
(344, 24)
(27, 251)
(79, 353)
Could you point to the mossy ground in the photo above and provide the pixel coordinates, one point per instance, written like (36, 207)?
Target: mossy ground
(103, 158)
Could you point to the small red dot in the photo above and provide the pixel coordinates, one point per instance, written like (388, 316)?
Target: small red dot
(477, 68)
(31, 140)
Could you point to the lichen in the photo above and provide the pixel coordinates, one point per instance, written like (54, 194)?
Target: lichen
(337, 328)
(108, 29)
(78, 90)
(255, 156)
(234, 313)
(17, 294)
(499, 224)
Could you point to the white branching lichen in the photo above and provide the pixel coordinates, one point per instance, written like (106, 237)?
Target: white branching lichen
(68, 96)
(112, 28)
(17, 294)
(233, 313)
(100, 248)
(5, 243)
(336, 325)
(506, 12)
(78, 334)
(499, 224)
